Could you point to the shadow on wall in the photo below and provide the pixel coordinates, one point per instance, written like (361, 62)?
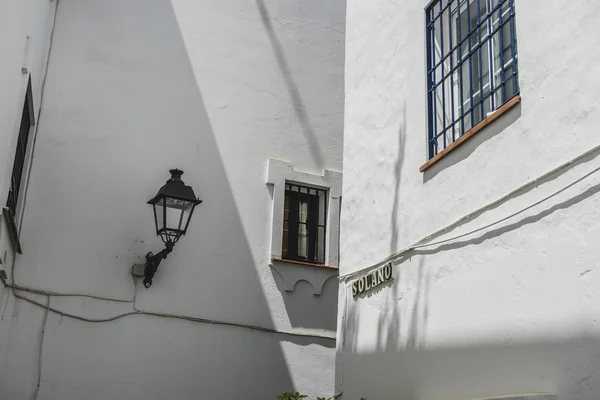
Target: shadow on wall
(308, 310)
(570, 367)
(399, 366)
(467, 148)
(391, 361)
(120, 84)
(297, 102)
(417, 316)
(397, 173)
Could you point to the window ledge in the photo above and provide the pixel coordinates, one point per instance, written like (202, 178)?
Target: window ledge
(477, 128)
(305, 263)
(291, 272)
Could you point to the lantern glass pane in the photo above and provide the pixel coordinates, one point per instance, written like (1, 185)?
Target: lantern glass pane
(158, 214)
(178, 211)
(187, 213)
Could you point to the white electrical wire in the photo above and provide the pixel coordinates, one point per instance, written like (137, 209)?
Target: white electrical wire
(39, 381)
(56, 294)
(170, 316)
(424, 242)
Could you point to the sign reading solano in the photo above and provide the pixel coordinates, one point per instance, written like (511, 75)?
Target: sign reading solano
(372, 280)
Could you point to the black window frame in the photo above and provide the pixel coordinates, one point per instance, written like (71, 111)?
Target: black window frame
(291, 225)
(18, 170)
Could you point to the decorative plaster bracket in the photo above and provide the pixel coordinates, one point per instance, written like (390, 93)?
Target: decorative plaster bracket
(291, 273)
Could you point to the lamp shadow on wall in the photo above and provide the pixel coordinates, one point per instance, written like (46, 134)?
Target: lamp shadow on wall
(466, 149)
(148, 84)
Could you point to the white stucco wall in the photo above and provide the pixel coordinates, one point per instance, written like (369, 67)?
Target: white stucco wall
(24, 40)
(23, 44)
(216, 89)
(509, 310)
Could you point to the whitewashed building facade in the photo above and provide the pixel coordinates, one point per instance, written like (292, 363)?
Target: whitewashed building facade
(471, 164)
(246, 97)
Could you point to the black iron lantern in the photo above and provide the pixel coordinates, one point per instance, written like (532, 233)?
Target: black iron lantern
(173, 208)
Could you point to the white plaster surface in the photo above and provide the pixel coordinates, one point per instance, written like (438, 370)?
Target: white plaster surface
(512, 309)
(24, 40)
(216, 88)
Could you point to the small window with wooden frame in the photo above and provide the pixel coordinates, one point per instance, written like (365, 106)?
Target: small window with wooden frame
(304, 218)
(306, 215)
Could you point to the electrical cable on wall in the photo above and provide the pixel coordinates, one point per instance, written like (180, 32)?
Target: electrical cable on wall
(152, 313)
(425, 242)
(39, 381)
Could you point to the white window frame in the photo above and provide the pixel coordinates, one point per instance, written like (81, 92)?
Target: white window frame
(280, 172)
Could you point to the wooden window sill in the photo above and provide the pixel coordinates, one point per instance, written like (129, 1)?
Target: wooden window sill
(304, 263)
(472, 132)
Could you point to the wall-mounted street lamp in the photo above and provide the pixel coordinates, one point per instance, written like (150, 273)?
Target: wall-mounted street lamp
(173, 208)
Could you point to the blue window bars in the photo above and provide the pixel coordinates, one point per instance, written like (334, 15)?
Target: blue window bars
(471, 65)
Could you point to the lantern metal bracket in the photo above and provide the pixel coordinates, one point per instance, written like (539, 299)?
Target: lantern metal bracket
(153, 261)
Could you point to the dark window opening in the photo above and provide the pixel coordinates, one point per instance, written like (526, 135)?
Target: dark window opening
(304, 216)
(20, 153)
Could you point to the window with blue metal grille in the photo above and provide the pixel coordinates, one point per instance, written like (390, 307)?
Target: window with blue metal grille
(472, 67)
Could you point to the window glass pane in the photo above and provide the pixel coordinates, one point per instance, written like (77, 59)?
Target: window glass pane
(185, 218)
(158, 215)
(467, 122)
(322, 208)
(286, 207)
(177, 212)
(178, 204)
(466, 92)
(284, 245)
(437, 29)
(445, 26)
(174, 217)
(321, 245)
(302, 229)
(454, 31)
